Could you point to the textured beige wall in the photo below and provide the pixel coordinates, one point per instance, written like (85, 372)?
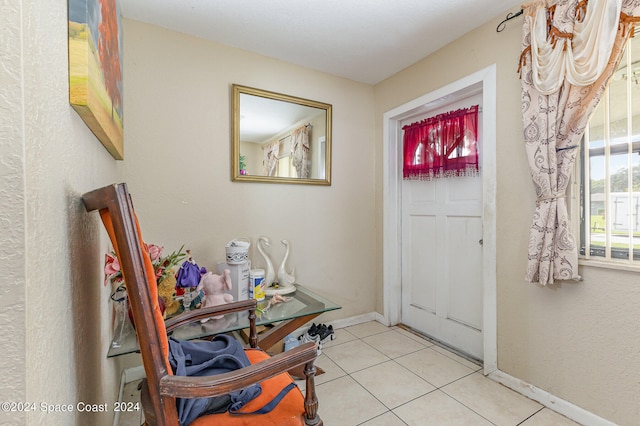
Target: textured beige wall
(578, 341)
(55, 311)
(13, 319)
(178, 164)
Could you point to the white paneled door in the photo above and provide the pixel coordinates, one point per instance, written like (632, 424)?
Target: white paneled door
(442, 261)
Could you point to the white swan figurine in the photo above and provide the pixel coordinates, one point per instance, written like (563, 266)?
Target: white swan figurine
(285, 278)
(269, 273)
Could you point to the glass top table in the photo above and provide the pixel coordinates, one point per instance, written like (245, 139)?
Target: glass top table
(286, 318)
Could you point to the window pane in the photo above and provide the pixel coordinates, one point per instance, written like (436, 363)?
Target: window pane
(619, 172)
(618, 105)
(611, 182)
(619, 190)
(619, 201)
(635, 207)
(597, 221)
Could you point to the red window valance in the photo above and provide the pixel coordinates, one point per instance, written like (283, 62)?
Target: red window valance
(442, 146)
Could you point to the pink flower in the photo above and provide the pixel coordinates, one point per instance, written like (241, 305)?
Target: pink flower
(162, 266)
(111, 267)
(154, 251)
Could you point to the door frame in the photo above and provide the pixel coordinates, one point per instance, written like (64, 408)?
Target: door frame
(392, 203)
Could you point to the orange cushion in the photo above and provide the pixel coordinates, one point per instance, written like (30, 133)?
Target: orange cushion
(151, 279)
(290, 410)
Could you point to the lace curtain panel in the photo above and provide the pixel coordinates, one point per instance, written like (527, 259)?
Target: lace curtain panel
(563, 76)
(442, 146)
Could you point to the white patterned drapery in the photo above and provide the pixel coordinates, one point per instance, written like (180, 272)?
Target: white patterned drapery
(300, 151)
(270, 153)
(556, 111)
(579, 58)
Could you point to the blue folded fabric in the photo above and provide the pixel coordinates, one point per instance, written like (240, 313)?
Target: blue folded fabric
(205, 358)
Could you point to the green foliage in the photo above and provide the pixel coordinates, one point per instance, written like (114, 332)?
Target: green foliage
(597, 186)
(618, 181)
(165, 265)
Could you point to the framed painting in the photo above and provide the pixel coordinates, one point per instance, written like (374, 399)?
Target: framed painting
(95, 69)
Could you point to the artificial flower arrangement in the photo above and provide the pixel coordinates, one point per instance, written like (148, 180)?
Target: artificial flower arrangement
(170, 283)
(163, 266)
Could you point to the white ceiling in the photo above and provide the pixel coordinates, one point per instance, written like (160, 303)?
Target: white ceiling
(362, 40)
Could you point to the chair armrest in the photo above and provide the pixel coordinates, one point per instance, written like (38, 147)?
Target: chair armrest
(202, 313)
(221, 384)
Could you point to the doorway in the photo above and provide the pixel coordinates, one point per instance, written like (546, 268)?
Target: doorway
(482, 83)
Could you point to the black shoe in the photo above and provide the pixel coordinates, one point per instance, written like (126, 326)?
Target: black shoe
(326, 333)
(310, 334)
(313, 330)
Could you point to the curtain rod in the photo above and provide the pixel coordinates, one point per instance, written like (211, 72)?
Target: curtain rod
(502, 25)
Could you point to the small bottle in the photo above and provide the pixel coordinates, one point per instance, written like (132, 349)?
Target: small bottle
(256, 277)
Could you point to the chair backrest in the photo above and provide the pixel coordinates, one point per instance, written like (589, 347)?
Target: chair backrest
(118, 216)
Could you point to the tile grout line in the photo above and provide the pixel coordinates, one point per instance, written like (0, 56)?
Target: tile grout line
(390, 410)
(436, 388)
(462, 403)
(440, 388)
(533, 414)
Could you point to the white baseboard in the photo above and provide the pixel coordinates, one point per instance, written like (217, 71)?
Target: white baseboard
(348, 322)
(358, 319)
(550, 401)
(381, 319)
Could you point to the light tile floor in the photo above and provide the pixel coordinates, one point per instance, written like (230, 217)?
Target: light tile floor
(387, 376)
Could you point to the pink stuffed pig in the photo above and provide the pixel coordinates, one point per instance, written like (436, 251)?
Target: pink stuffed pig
(214, 286)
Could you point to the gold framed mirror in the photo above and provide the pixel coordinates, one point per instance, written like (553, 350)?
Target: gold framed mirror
(278, 138)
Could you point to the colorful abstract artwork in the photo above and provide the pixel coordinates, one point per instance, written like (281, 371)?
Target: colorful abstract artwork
(95, 69)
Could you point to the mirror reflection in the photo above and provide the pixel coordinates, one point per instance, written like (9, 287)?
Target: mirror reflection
(280, 138)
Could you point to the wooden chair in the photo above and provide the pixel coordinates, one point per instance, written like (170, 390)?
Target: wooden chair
(161, 388)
